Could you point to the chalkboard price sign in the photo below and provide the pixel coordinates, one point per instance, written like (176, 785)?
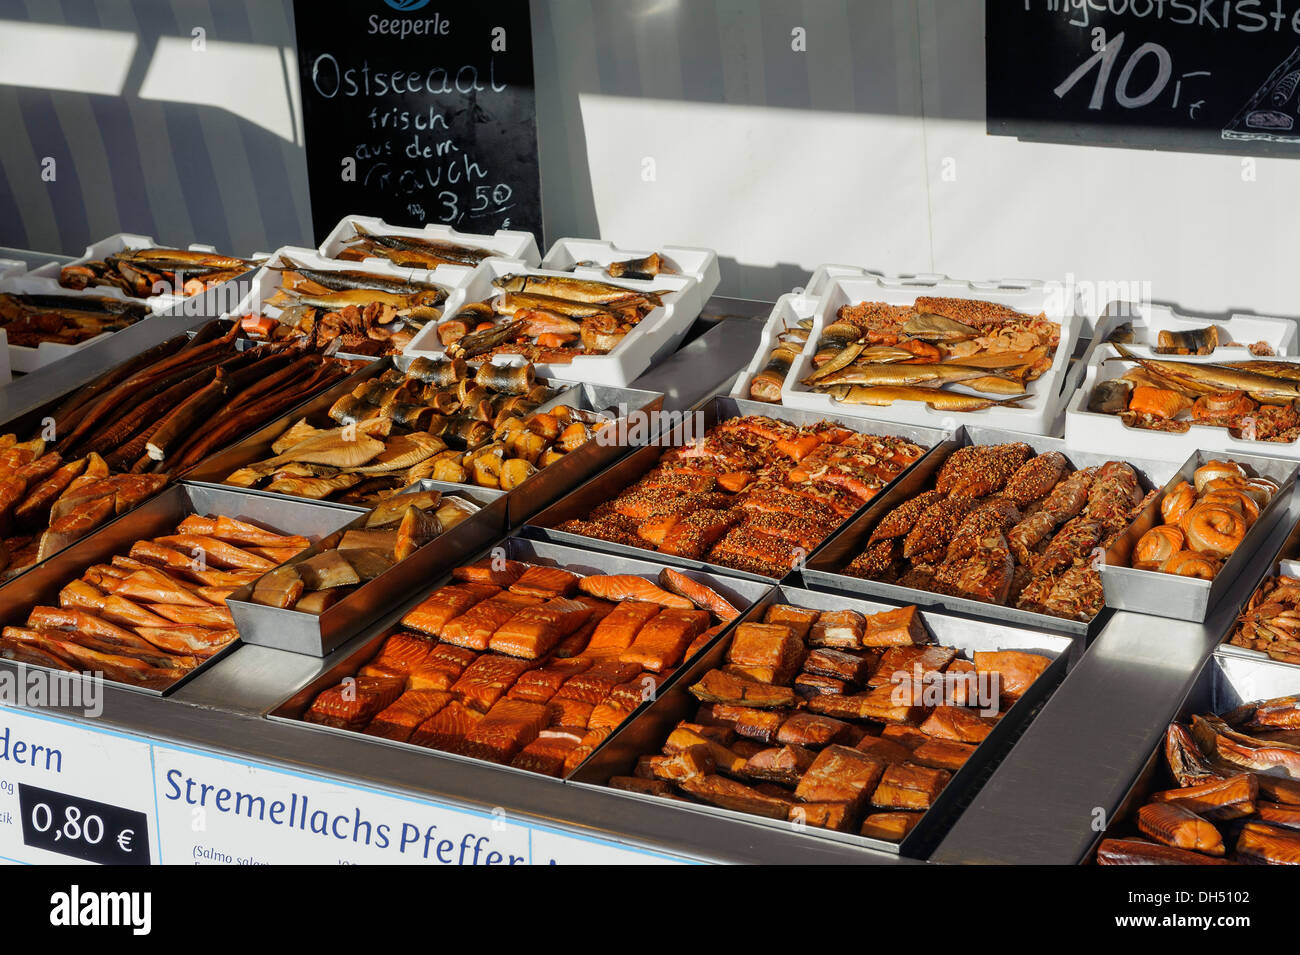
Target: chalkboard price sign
(1220, 76)
(420, 115)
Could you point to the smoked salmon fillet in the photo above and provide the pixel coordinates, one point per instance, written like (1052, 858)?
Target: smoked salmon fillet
(662, 642)
(474, 628)
(441, 668)
(491, 570)
(508, 727)
(692, 535)
(619, 587)
(545, 582)
(353, 704)
(698, 594)
(447, 729)
(404, 652)
(545, 755)
(487, 679)
(907, 786)
(766, 650)
(797, 619)
(595, 683)
(404, 715)
(447, 603)
(534, 631)
(617, 631)
(538, 686)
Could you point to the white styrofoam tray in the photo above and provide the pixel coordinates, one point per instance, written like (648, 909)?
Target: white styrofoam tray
(1041, 411)
(11, 268)
(25, 359)
(120, 242)
(790, 309)
(699, 264)
(506, 243)
(1095, 431)
(267, 280)
(656, 337)
(824, 275)
(1287, 567)
(1235, 332)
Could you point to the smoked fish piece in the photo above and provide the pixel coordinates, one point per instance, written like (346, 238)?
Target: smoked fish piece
(448, 728)
(719, 686)
(760, 725)
(1016, 670)
(1181, 828)
(1141, 852)
(1261, 843)
(878, 704)
(534, 631)
(445, 604)
(574, 713)
(808, 685)
(487, 679)
(404, 652)
(474, 628)
(943, 754)
(662, 642)
(547, 756)
(891, 628)
(404, 715)
(810, 729)
(840, 774)
(771, 649)
(538, 686)
(779, 764)
(620, 587)
(797, 619)
(354, 702)
(907, 786)
(508, 727)
(838, 629)
(545, 582)
(956, 723)
(1218, 800)
(890, 826)
(824, 815)
(684, 764)
(729, 794)
(849, 667)
(595, 683)
(491, 570)
(648, 787)
(617, 631)
(441, 668)
(904, 660)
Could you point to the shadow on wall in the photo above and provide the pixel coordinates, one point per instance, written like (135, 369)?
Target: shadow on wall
(170, 119)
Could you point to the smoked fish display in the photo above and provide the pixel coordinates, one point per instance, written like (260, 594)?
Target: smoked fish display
(526, 665)
(1004, 525)
(1232, 796)
(824, 718)
(440, 420)
(141, 273)
(151, 616)
(754, 493)
(30, 319)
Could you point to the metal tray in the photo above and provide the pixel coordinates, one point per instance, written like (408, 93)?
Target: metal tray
(349, 659)
(822, 572)
(1190, 598)
(318, 634)
(156, 517)
(645, 733)
(547, 485)
(610, 483)
(1224, 682)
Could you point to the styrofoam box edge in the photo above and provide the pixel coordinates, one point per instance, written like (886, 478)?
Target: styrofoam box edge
(1049, 392)
(1242, 329)
(1105, 433)
(12, 268)
(511, 244)
(653, 339)
(787, 312)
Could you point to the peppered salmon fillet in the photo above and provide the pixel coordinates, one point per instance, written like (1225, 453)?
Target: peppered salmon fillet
(474, 628)
(508, 727)
(447, 729)
(491, 570)
(662, 642)
(618, 630)
(352, 704)
(400, 719)
(446, 603)
(487, 679)
(534, 631)
(691, 535)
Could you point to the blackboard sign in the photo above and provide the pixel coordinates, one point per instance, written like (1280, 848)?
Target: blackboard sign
(419, 113)
(1218, 76)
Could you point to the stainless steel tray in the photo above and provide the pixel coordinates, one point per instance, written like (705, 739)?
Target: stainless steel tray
(156, 517)
(610, 483)
(1190, 598)
(318, 634)
(547, 485)
(823, 571)
(351, 658)
(647, 730)
(1223, 682)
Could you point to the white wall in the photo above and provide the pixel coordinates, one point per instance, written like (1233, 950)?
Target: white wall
(783, 188)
